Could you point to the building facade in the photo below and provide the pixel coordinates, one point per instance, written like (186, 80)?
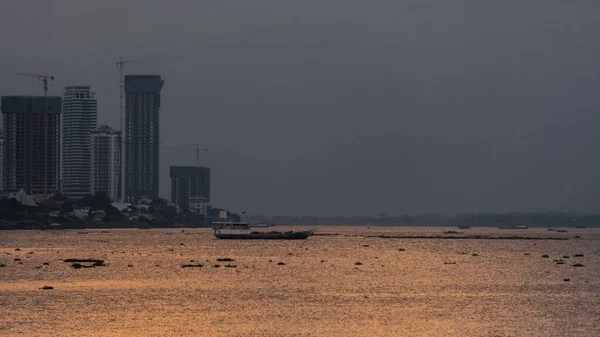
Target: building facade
(1, 161)
(31, 143)
(79, 117)
(105, 162)
(190, 184)
(142, 104)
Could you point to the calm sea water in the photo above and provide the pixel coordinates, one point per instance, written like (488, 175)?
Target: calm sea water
(432, 288)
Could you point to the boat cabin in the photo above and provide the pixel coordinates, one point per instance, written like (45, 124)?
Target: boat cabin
(231, 228)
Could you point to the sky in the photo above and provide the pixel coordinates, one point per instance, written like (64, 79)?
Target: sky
(343, 107)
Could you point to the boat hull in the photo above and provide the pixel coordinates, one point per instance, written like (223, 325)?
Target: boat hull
(266, 236)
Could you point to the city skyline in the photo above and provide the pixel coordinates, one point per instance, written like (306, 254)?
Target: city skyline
(388, 108)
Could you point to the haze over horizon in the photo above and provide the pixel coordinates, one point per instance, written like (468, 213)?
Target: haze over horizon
(343, 107)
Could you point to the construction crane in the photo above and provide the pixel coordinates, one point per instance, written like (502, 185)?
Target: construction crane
(44, 79)
(198, 149)
(120, 64)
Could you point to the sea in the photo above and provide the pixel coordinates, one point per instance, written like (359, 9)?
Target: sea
(343, 281)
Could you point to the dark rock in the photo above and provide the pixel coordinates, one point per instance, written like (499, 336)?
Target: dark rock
(79, 266)
(18, 249)
(280, 264)
(365, 245)
(2, 265)
(578, 265)
(84, 260)
(217, 266)
(46, 264)
(578, 255)
(17, 259)
(401, 249)
(199, 265)
(545, 256)
(47, 288)
(225, 259)
(358, 263)
(567, 279)
(566, 257)
(230, 266)
(475, 254)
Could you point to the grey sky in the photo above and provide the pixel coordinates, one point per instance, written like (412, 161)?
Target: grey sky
(344, 107)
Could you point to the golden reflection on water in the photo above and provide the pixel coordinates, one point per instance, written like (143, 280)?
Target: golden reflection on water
(433, 287)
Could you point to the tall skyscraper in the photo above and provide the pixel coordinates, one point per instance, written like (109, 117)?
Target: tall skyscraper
(79, 117)
(142, 103)
(105, 161)
(1, 161)
(189, 182)
(30, 149)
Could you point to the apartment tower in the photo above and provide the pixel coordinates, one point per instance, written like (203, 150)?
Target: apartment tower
(79, 117)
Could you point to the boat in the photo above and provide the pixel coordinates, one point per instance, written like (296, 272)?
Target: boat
(514, 227)
(241, 231)
(261, 225)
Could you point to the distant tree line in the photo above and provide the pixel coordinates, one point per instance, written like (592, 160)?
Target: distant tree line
(551, 219)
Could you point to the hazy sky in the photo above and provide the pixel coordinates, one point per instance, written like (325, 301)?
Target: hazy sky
(344, 107)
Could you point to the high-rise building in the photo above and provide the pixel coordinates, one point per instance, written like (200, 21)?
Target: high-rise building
(105, 161)
(79, 117)
(142, 103)
(189, 183)
(1, 161)
(31, 150)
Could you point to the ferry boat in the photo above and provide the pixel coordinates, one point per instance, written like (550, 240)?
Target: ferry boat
(241, 231)
(514, 227)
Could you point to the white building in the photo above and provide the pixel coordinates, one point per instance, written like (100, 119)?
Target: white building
(79, 117)
(198, 205)
(25, 199)
(105, 161)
